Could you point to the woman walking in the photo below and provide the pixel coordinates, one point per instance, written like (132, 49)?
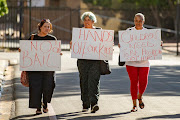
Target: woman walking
(41, 83)
(138, 71)
(89, 72)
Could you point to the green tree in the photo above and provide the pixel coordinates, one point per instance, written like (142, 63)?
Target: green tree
(103, 3)
(159, 8)
(3, 7)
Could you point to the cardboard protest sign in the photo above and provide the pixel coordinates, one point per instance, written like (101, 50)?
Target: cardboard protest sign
(138, 45)
(94, 44)
(40, 55)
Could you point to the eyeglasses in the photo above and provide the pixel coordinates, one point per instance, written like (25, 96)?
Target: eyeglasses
(45, 20)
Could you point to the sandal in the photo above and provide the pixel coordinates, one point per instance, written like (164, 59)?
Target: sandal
(38, 112)
(141, 105)
(134, 109)
(45, 110)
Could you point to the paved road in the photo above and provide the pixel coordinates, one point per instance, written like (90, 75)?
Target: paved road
(161, 98)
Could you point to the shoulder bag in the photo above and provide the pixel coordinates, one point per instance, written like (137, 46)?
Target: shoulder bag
(105, 69)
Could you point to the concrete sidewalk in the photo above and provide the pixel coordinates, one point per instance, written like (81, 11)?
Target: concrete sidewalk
(7, 60)
(161, 97)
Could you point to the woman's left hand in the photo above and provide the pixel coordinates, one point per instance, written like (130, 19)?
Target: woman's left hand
(19, 49)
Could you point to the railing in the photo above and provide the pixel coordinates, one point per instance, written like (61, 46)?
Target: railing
(22, 21)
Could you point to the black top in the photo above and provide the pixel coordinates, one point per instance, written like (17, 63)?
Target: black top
(47, 37)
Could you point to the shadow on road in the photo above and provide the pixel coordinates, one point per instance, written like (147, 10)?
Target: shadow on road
(163, 81)
(77, 115)
(174, 116)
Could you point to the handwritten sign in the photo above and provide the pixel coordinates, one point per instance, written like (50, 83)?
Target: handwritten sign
(94, 44)
(40, 55)
(138, 45)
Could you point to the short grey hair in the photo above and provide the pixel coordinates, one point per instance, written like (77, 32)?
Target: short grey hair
(90, 15)
(141, 15)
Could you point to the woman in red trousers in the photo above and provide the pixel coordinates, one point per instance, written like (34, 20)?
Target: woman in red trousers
(138, 71)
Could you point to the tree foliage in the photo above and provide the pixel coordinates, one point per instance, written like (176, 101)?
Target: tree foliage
(159, 8)
(137, 3)
(163, 4)
(103, 3)
(3, 7)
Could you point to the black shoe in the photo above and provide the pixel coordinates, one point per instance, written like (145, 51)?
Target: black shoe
(94, 108)
(38, 111)
(44, 105)
(85, 108)
(45, 109)
(141, 105)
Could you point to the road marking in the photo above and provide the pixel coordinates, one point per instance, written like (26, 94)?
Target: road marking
(52, 114)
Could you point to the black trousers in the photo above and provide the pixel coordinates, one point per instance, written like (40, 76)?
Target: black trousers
(89, 73)
(41, 84)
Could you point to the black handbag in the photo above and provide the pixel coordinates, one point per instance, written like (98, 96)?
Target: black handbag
(105, 69)
(120, 63)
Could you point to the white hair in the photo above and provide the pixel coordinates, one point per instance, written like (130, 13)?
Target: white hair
(141, 15)
(90, 15)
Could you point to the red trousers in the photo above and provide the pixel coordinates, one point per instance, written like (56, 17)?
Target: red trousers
(139, 78)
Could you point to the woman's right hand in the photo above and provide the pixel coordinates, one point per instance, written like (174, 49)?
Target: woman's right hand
(119, 45)
(19, 50)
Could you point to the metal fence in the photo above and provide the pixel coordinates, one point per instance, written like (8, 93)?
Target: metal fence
(22, 21)
(9, 29)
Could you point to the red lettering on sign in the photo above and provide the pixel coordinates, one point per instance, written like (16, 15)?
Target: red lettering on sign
(142, 36)
(57, 49)
(111, 33)
(84, 49)
(37, 59)
(99, 37)
(45, 46)
(48, 64)
(89, 32)
(44, 50)
(91, 48)
(80, 34)
(125, 39)
(100, 50)
(104, 33)
(43, 59)
(25, 57)
(35, 46)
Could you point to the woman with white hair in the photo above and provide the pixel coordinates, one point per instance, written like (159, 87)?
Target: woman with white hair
(138, 71)
(89, 72)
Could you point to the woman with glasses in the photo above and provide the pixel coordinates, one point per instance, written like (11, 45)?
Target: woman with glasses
(41, 83)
